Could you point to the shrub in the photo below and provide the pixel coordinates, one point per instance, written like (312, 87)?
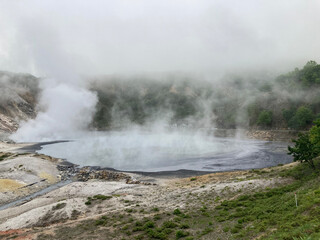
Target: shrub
(155, 209)
(184, 226)
(148, 224)
(181, 234)
(169, 224)
(101, 197)
(177, 211)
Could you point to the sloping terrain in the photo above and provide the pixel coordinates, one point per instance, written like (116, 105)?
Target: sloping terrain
(18, 97)
(188, 208)
(289, 101)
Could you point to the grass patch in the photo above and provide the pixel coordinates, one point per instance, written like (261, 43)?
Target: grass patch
(274, 211)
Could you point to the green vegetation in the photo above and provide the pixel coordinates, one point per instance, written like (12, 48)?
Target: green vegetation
(315, 134)
(97, 197)
(291, 100)
(265, 118)
(181, 234)
(273, 213)
(307, 146)
(3, 156)
(302, 118)
(101, 197)
(59, 206)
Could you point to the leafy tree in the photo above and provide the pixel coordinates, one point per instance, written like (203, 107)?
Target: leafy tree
(302, 118)
(310, 74)
(265, 118)
(307, 146)
(304, 150)
(288, 114)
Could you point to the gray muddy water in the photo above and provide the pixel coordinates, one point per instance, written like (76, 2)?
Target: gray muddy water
(168, 151)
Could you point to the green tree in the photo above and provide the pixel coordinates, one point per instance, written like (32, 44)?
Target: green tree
(307, 146)
(302, 118)
(310, 74)
(265, 118)
(304, 150)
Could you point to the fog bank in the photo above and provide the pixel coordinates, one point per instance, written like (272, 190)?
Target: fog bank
(103, 37)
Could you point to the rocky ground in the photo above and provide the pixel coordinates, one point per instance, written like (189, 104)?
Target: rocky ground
(95, 194)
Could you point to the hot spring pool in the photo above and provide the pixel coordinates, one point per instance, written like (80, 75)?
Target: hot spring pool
(169, 151)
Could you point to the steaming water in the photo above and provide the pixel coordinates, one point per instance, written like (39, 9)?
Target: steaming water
(147, 151)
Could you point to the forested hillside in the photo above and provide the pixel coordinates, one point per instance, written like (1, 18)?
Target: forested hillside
(289, 101)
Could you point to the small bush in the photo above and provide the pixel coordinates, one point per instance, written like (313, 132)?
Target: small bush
(148, 224)
(177, 211)
(181, 234)
(226, 229)
(169, 224)
(101, 197)
(184, 226)
(59, 206)
(100, 222)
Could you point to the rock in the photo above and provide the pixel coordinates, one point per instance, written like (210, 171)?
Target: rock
(87, 173)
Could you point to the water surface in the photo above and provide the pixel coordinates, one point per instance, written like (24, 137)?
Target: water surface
(168, 151)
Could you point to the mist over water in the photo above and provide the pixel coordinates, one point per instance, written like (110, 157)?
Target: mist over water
(147, 151)
(136, 149)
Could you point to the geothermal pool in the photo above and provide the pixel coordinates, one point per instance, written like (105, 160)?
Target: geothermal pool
(168, 151)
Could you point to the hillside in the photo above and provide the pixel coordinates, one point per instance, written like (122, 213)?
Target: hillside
(289, 101)
(18, 98)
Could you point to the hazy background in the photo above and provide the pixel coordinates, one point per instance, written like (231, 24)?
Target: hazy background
(68, 43)
(49, 38)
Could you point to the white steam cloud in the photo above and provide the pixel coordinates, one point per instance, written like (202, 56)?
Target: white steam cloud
(68, 109)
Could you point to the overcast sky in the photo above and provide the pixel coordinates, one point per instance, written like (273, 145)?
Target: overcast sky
(50, 37)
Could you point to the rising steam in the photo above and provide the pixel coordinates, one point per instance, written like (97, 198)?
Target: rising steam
(65, 110)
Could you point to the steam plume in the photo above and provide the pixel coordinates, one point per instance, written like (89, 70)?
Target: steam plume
(67, 109)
